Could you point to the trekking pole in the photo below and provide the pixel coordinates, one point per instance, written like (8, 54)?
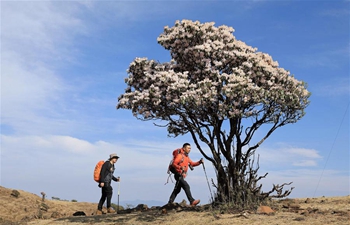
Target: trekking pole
(178, 180)
(208, 182)
(118, 191)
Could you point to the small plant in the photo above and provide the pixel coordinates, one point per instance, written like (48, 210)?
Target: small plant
(39, 215)
(43, 196)
(44, 207)
(73, 200)
(15, 193)
(117, 207)
(129, 206)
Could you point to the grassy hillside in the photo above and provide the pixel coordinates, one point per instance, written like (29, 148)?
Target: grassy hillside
(27, 206)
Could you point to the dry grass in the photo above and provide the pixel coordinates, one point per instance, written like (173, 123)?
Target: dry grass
(26, 210)
(28, 206)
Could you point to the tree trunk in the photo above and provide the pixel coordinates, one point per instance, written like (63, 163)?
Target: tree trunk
(236, 170)
(237, 183)
(222, 185)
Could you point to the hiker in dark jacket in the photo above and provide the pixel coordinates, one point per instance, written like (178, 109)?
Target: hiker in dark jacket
(106, 177)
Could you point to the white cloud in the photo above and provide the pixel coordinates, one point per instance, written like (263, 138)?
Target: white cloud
(38, 41)
(37, 38)
(303, 152)
(287, 156)
(311, 183)
(305, 163)
(285, 163)
(327, 60)
(122, 13)
(328, 55)
(24, 89)
(332, 88)
(63, 160)
(40, 31)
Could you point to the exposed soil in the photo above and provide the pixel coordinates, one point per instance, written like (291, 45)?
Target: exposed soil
(22, 208)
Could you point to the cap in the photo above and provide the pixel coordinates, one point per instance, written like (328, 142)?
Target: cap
(113, 155)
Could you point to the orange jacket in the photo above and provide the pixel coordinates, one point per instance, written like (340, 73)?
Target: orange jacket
(181, 161)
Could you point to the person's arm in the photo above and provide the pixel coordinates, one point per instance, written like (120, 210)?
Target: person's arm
(194, 163)
(116, 179)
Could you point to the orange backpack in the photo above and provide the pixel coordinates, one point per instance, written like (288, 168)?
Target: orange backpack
(175, 153)
(97, 171)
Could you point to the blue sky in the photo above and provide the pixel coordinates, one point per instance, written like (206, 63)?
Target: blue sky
(63, 65)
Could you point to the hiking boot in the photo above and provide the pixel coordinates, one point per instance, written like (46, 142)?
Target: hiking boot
(170, 202)
(110, 210)
(99, 212)
(195, 202)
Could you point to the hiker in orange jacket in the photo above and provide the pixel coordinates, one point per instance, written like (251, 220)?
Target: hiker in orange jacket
(181, 164)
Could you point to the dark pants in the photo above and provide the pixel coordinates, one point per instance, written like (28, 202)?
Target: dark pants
(181, 183)
(107, 192)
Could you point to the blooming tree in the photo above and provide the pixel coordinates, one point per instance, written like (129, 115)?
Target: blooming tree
(220, 91)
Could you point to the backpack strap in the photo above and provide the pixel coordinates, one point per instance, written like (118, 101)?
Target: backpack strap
(179, 152)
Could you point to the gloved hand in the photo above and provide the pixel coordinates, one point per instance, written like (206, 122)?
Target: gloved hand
(201, 161)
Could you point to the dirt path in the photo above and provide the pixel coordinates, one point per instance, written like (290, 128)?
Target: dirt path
(195, 218)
